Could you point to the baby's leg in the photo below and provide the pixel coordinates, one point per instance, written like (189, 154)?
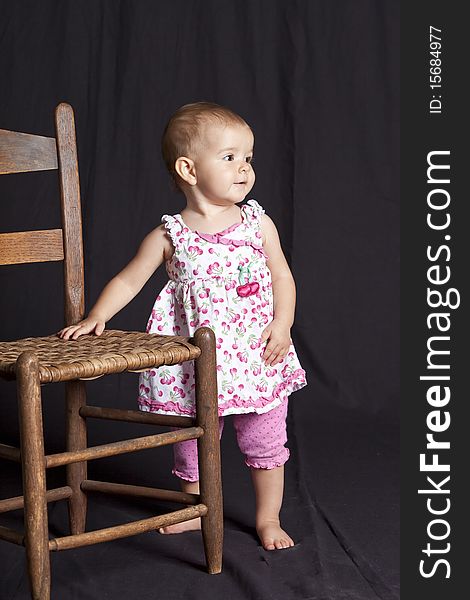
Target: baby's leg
(261, 438)
(186, 468)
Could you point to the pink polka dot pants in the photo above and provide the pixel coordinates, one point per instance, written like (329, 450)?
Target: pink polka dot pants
(260, 437)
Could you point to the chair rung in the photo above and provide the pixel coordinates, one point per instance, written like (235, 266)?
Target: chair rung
(105, 450)
(10, 453)
(51, 496)
(135, 416)
(10, 535)
(122, 489)
(133, 528)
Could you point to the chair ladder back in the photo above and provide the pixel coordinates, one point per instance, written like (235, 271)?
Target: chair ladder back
(74, 283)
(23, 153)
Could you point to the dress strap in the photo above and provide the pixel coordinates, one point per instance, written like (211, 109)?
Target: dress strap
(175, 229)
(253, 211)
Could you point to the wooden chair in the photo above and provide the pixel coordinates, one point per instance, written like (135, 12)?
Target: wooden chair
(36, 361)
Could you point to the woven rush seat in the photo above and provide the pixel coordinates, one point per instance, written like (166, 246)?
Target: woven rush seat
(93, 356)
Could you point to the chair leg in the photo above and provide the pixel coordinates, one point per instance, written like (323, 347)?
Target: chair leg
(75, 394)
(34, 475)
(210, 480)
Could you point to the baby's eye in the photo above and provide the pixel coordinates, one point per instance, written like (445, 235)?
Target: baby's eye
(249, 159)
(228, 157)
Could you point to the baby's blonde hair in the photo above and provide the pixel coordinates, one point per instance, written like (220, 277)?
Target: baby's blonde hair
(183, 131)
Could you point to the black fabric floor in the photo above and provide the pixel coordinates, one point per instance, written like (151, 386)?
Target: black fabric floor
(341, 507)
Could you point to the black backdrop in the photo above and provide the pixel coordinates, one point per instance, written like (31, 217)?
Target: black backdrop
(318, 83)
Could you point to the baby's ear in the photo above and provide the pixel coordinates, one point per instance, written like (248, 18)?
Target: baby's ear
(185, 168)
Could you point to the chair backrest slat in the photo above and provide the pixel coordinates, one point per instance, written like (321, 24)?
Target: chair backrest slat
(23, 152)
(31, 246)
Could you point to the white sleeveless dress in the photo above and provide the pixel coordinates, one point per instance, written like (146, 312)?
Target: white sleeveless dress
(219, 281)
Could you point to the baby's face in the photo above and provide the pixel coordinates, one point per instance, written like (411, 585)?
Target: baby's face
(223, 163)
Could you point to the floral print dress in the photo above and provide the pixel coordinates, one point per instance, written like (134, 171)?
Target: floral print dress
(219, 281)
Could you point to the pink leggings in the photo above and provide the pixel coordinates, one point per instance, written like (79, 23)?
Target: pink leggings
(261, 438)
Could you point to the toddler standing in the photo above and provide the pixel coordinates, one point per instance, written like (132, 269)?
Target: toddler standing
(228, 272)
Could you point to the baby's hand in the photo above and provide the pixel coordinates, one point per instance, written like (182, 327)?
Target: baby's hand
(278, 344)
(88, 325)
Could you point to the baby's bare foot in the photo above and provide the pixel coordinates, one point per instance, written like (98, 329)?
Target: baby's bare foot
(191, 525)
(272, 536)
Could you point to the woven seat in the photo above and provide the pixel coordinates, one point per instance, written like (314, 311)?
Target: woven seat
(43, 360)
(91, 356)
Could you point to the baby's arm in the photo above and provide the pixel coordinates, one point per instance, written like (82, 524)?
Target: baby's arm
(154, 249)
(278, 331)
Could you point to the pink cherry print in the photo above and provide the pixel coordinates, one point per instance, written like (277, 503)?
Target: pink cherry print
(241, 386)
(243, 290)
(160, 393)
(234, 346)
(230, 389)
(211, 250)
(195, 272)
(228, 264)
(233, 372)
(160, 328)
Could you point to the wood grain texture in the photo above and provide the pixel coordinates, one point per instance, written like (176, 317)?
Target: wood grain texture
(24, 152)
(44, 245)
(51, 496)
(71, 214)
(140, 491)
(210, 478)
(76, 439)
(10, 453)
(136, 416)
(115, 448)
(34, 476)
(120, 531)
